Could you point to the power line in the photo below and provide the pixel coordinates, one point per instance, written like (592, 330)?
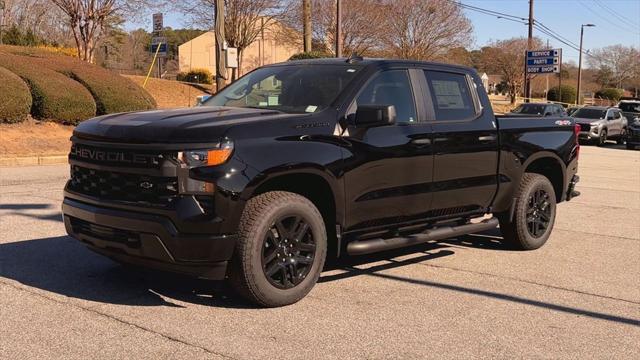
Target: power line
(538, 25)
(611, 23)
(620, 17)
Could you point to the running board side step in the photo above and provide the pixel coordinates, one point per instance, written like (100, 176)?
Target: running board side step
(375, 245)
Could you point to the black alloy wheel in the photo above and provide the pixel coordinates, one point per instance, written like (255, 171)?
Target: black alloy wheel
(288, 252)
(538, 213)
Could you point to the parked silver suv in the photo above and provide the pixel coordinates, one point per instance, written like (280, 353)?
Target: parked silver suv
(600, 123)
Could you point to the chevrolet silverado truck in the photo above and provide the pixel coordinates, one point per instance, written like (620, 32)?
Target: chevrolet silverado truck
(305, 160)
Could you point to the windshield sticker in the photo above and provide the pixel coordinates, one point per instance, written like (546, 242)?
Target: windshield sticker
(273, 100)
(311, 108)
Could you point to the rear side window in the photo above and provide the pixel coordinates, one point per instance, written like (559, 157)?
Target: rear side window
(451, 96)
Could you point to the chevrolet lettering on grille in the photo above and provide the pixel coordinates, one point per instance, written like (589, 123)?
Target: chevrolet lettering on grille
(87, 153)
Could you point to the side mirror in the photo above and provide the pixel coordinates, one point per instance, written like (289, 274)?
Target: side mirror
(610, 117)
(374, 115)
(547, 114)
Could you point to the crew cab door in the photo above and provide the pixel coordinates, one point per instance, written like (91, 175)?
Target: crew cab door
(465, 143)
(389, 168)
(614, 122)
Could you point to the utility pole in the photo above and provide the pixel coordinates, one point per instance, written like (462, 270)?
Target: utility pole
(527, 79)
(580, 62)
(1, 19)
(338, 29)
(221, 64)
(306, 18)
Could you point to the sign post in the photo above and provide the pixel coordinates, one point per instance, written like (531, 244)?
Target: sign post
(548, 61)
(158, 42)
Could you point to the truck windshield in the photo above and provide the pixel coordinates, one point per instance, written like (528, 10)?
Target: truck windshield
(290, 88)
(531, 109)
(630, 106)
(585, 113)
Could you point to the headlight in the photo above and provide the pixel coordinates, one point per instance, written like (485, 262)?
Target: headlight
(208, 157)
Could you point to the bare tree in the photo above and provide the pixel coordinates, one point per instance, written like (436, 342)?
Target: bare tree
(424, 29)
(621, 63)
(39, 17)
(89, 18)
(506, 57)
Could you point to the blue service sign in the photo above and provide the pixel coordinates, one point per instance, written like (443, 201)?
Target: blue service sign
(546, 69)
(163, 48)
(543, 61)
(544, 53)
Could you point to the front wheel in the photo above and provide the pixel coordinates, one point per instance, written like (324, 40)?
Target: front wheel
(534, 215)
(282, 245)
(603, 138)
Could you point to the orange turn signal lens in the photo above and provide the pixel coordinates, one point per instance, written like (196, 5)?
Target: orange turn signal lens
(218, 156)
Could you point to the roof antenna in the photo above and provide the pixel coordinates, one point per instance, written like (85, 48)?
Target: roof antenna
(353, 57)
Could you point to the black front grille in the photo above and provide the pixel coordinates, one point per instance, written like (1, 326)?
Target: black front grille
(128, 238)
(117, 186)
(585, 127)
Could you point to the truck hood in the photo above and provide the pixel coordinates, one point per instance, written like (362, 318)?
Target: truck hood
(190, 125)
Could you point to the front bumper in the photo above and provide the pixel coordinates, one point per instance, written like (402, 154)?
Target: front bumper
(633, 136)
(147, 240)
(590, 135)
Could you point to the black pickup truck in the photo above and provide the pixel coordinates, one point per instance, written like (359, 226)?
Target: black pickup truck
(307, 159)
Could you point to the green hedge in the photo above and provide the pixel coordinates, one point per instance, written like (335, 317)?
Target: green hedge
(310, 55)
(55, 96)
(610, 94)
(112, 93)
(199, 76)
(568, 94)
(15, 102)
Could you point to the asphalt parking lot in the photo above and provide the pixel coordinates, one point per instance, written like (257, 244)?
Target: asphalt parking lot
(577, 297)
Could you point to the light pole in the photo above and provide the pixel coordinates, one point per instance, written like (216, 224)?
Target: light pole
(580, 62)
(338, 29)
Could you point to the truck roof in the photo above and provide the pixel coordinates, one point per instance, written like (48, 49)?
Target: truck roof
(369, 61)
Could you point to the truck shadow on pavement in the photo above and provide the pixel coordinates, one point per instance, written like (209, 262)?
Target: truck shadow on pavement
(63, 266)
(21, 210)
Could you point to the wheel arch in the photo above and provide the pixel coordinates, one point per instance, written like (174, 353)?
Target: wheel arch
(550, 166)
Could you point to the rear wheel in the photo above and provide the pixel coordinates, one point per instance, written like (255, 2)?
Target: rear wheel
(534, 215)
(603, 138)
(623, 137)
(281, 249)
(630, 146)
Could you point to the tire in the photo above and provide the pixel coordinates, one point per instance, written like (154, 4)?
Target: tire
(603, 138)
(517, 232)
(630, 146)
(622, 139)
(267, 224)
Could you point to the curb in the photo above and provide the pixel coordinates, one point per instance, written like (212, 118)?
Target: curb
(33, 160)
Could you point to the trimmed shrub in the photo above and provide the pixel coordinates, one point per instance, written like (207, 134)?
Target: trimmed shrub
(309, 55)
(15, 101)
(55, 96)
(610, 94)
(111, 92)
(568, 94)
(198, 76)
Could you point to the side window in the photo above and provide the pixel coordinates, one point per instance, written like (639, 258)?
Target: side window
(391, 88)
(451, 96)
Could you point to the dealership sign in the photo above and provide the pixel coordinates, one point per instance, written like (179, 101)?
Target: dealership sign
(544, 61)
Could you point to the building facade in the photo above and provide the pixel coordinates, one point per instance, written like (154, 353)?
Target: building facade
(199, 53)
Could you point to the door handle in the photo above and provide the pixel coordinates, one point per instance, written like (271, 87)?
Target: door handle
(421, 142)
(487, 138)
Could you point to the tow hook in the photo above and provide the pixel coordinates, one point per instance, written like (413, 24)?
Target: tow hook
(571, 192)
